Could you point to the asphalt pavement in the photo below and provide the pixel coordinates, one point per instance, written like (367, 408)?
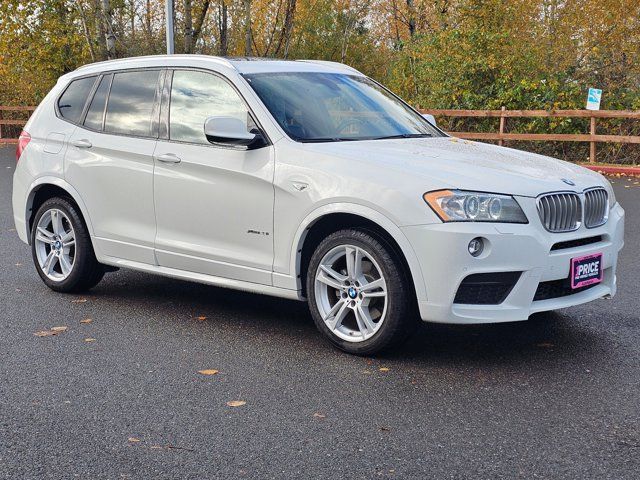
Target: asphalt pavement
(121, 396)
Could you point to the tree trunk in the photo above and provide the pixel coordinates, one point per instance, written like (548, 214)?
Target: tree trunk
(248, 40)
(148, 18)
(411, 11)
(223, 27)
(197, 28)
(109, 36)
(85, 30)
(287, 29)
(188, 27)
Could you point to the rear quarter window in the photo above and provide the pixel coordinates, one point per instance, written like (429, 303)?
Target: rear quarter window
(71, 103)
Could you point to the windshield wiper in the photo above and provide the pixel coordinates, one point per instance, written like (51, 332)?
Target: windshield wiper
(404, 135)
(327, 139)
(355, 139)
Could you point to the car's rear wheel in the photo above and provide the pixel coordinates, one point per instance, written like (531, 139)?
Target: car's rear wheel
(61, 248)
(358, 292)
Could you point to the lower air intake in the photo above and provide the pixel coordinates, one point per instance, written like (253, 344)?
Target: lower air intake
(486, 288)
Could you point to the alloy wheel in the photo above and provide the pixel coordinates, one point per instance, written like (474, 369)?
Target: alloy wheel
(55, 245)
(351, 293)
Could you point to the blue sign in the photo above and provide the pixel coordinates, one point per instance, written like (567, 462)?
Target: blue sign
(593, 99)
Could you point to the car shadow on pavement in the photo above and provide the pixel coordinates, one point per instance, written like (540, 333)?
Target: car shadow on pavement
(557, 337)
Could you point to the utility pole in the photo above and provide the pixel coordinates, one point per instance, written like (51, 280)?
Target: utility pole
(169, 18)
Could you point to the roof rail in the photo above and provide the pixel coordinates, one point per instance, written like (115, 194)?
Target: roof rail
(126, 60)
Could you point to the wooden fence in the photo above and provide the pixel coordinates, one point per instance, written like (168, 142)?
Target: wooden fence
(23, 112)
(501, 135)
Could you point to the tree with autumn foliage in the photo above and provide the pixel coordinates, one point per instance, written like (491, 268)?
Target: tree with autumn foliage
(485, 54)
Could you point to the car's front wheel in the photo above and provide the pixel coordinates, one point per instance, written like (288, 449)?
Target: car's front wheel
(359, 295)
(61, 248)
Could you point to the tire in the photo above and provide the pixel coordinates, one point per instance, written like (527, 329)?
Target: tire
(388, 319)
(75, 269)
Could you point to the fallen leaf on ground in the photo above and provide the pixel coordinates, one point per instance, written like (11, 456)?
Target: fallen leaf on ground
(45, 333)
(384, 369)
(319, 415)
(89, 340)
(18, 264)
(236, 403)
(367, 372)
(545, 345)
(86, 320)
(201, 318)
(208, 372)
(59, 329)
(384, 428)
(79, 300)
(133, 439)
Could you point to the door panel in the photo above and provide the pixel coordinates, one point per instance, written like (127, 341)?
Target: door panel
(115, 180)
(110, 162)
(214, 205)
(214, 211)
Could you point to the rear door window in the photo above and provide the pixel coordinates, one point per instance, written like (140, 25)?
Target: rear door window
(71, 103)
(95, 114)
(130, 105)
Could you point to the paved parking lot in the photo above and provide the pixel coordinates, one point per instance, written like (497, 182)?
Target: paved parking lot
(121, 396)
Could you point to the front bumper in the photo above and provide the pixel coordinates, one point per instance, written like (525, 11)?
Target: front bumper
(445, 262)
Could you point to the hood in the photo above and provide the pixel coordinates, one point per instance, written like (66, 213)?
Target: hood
(448, 162)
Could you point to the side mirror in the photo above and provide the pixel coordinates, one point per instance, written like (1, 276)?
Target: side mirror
(430, 118)
(230, 131)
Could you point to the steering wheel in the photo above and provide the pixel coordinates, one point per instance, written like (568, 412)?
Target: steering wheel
(347, 122)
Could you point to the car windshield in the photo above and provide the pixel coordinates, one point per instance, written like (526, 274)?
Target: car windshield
(333, 107)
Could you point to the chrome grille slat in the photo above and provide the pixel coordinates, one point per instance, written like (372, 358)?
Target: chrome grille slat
(560, 212)
(596, 207)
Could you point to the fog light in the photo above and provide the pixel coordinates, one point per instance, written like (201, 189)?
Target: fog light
(476, 246)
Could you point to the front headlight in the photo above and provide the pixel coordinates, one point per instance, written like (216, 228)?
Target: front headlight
(461, 206)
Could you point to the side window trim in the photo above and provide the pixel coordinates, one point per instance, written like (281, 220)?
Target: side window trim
(166, 117)
(163, 130)
(157, 105)
(106, 102)
(86, 102)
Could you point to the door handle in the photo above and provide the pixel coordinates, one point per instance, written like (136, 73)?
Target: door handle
(83, 143)
(168, 158)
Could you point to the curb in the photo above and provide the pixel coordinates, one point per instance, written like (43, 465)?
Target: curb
(610, 170)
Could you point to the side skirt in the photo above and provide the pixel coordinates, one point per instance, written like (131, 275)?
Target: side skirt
(206, 279)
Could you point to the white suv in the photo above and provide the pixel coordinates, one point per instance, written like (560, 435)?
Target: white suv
(305, 180)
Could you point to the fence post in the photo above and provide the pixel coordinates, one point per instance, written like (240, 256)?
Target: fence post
(592, 144)
(502, 119)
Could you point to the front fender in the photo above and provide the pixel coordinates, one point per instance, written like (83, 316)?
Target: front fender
(370, 214)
